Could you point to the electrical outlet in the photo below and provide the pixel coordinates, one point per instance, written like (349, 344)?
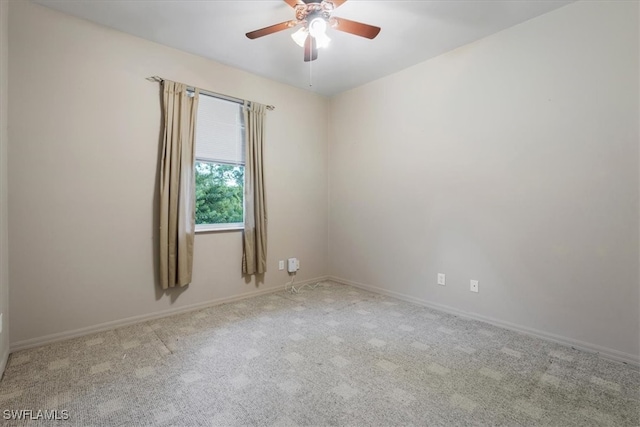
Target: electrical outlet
(280, 265)
(474, 286)
(297, 264)
(441, 281)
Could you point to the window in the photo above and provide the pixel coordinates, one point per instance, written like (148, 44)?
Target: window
(219, 165)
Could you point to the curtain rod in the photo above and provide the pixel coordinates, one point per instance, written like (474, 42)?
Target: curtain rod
(157, 79)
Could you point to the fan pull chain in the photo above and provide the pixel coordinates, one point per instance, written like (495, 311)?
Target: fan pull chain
(310, 73)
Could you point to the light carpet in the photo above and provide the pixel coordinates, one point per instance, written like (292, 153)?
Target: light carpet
(334, 355)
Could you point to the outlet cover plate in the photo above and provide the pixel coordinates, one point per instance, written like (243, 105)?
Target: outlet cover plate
(280, 265)
(474, 286)
(441, 279)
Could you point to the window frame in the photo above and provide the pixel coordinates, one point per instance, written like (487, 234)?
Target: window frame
(229, 226)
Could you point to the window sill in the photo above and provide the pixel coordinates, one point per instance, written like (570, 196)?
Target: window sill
(217, 229)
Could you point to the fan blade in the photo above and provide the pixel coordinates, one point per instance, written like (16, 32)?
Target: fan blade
(271, 29)
(314, 51)
(293, 3)
(310, 50)
(357, 28)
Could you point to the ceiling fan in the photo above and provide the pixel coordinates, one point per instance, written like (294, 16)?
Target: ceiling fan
(315, 17)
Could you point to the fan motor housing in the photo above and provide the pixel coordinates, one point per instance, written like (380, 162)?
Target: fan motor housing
(312, 10)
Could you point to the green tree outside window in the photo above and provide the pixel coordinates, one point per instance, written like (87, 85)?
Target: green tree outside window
(219, 193)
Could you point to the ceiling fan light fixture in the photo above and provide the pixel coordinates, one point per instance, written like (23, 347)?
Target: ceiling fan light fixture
(314, 17)
(300, 36)
(322, 41)
(318, 27)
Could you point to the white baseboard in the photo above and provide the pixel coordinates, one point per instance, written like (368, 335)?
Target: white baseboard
(607, 353)
(60, 336)
(3, 362)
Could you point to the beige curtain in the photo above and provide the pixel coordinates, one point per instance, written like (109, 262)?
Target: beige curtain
(177, 185)
(254, 255)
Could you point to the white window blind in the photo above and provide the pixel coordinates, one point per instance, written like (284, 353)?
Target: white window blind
(219, 131)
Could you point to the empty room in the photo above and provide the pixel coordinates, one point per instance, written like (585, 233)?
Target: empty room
(314, 213)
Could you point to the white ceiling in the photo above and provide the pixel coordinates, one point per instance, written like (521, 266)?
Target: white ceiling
(412, 32)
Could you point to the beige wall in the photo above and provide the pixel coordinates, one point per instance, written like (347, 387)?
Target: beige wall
(513, 161)
(4, 231)
(84, 152)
